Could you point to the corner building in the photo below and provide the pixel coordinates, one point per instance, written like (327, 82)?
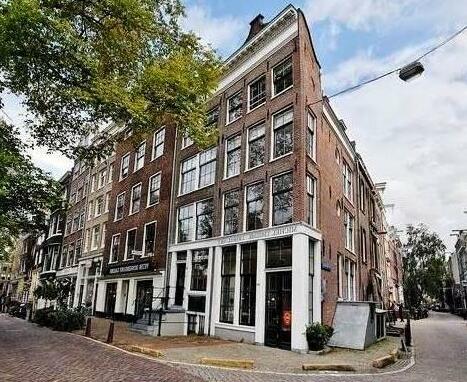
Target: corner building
(262, 222)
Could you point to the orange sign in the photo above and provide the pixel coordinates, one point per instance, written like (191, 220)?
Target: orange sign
(286, 318)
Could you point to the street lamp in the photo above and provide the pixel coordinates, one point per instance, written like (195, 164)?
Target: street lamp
(411, 71)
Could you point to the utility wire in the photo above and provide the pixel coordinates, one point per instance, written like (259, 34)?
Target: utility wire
(354, 87)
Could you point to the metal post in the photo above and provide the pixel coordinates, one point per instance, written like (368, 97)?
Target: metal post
(408, 332)
(160, 323)
(88, 327)
(110, 335)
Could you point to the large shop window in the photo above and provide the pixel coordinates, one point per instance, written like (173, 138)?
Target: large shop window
(233, 153)
(234, 107)
(257, 93)
(228, 284)
(282, 76)
(248, 284)
(283, 133)
(279, 253)
(231, 211)
(185, 223)
(282, 199)
(254, 206)
(204, 219)
(256, 143)
(199, 269)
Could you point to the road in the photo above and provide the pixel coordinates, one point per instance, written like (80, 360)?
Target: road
(29, 353)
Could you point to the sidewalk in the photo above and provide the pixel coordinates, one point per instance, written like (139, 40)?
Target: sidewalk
(191, 349)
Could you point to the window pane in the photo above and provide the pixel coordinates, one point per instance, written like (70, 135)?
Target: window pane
(231, 211)
(282, 199)
(235, 104)
(154, 189)
(254, 206)
(248, 285)
(185, 223)
(257, 92)
(283, 76)
(228, 284)
(199, 269)
(204, 219)
(256, 143)
(233, 156)
(149, 239)
(279, 253)
(283, 133)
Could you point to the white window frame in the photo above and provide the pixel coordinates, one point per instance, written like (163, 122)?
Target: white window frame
(227, 114)
(125, 257)
(96, 205)
(116, 204)
(120, 176)
(100, 185)
(235, 136)
(248, 92)
(273, 94)
(131, 212)
(347, 175)
(310, 115)
(95, 245)
(349, 236)
(159, 174)
(273, 129)
(314, 181)
(197, 172)
(154, 139)
(186, 141)
(143, 249)
(135, 165)
(193, 205)
(271, 201)
(111, 260)
(103, 234)
(247, 155)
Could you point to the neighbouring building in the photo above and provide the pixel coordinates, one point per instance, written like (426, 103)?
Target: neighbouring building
(458, 266)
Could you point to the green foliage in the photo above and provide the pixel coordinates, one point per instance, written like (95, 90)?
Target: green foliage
(425, 271)
(80, 65)
(318, 335)
(57, 290)
(65, 320)
(26, 192)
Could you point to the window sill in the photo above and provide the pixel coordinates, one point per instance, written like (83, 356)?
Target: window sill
(133, 213)
(159, 156)
(198, 189)
(253, 168)
(230, 177)
(256, 107)
(282, 156)
(153, 205)
(282, 92)
(235, 120)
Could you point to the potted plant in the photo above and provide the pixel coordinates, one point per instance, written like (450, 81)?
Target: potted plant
(317, 335)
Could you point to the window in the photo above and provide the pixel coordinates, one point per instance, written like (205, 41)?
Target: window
(95, 237)
(79, 193)
(257, 93)
(130, 243)
(64, 256)
(233, 153)
(99, 206)
(234, 107)
(362, 196)
(68, 226)
(87, 237)
(128, 132)
(256, 142)
(70, 255)
(212, 117)
(104, 232)
(248, 285)
(139, 156)
(279, 253)
(347, 179)
(254, 206)
(154, 189)
(77, 251)
(124, 166)
(282, 199)
(135, 202)
(93, 182)
(363, 245)
(310, 190)
(114, 249)
(347, 277)
(282, 76)
(185, 223)
(204, 219)
(188, 176)
(207, 167)
(310, 135)
(107, 202)
(111, 174)
(228, 284)
(90, 209)
(283, 133)
(76, 222)
(349, 230)
(119, 206)
(199, 269)
(149, 239)
(158, 145)
(231, 210)
(186, 141)
(102, 176)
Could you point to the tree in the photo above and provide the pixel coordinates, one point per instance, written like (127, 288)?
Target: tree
(58, 290)
(80, 65)
(425, 272)
(26, 192)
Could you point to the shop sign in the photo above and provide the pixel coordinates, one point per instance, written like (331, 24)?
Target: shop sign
(130, 268)
(250, 236)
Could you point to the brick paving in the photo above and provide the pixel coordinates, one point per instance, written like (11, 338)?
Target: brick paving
(29, 353)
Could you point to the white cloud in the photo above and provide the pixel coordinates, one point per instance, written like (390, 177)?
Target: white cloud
(413, 135)
(222, 33)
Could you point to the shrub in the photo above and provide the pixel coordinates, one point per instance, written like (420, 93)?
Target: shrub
(65, 320)
(318, 335)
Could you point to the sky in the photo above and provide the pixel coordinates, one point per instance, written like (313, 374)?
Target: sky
(411, 135)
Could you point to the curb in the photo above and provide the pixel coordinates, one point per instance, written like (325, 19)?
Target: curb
(327, 367)
(225, 362)
(140, 349)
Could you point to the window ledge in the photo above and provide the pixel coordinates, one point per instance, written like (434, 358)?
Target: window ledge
(253, 168)
(282, 92)
(282, 156)
(256, 107)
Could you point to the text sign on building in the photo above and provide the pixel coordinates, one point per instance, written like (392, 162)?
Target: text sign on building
(130, 268)
(275, 232)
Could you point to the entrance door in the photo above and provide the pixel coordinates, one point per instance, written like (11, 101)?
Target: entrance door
(180, 284)
(144, 291)
(110, 298)
(278, 309)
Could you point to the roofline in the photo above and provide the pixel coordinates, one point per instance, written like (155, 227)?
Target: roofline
(299, 10)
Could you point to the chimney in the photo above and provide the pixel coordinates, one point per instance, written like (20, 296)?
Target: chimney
(255, 26)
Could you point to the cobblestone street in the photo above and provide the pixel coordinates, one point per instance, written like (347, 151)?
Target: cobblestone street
(29, 353)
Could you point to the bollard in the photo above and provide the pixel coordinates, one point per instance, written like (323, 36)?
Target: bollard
(110, 335)
(408, 333)
(88, 327)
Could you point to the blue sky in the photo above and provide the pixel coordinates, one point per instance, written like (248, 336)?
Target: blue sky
(411, 135)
